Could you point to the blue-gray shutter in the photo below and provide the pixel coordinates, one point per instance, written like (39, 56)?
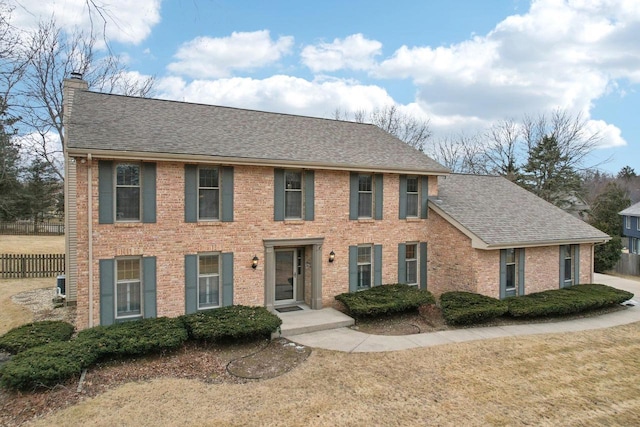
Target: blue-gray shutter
(149, 192)
(576, 263)
(521, 279)
(149, 286)
(423, 265)
(353, 268)
(107, 284)
(278, 194)
(402, 207)
(227, 193)
(227, 278)
(105, 192)
(190, 193)
(354, 183)
(503, 273)
(309, 196)
(378, 197)
(377, 265)
(190, 284)
(562, 257)
(402, 263)
(424, 197)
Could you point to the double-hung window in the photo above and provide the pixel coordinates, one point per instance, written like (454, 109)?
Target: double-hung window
(411, 261)
(364, 267)
(412, 197)
(208, 194)
(568, 267)
(128, 288)
(365, 196)
(208, 281)
(128, 192)
(627, 222)
(293, 194)
(511, 285)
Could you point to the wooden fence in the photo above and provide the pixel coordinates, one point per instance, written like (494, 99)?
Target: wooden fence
(629, 265)
(31, 228)
(37, 265)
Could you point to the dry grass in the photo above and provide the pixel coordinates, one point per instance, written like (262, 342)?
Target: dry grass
(586, 378)
(13, 315)
(31, 244)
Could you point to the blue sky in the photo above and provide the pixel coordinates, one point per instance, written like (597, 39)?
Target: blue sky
(463, 64)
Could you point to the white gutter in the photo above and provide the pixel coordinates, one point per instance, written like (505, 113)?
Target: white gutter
(90, 235)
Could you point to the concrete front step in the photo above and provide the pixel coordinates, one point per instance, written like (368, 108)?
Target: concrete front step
(306, 320)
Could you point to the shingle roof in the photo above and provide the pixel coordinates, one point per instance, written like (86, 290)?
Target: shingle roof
(499, 213)
(633, 210)
(120, 123)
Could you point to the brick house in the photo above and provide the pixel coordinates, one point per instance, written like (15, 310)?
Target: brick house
(631, 227)
(174, 207)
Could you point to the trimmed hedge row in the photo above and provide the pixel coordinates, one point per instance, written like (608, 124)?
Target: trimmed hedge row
(466, 308)
(385, 299)
(49, 364)
(34, 335)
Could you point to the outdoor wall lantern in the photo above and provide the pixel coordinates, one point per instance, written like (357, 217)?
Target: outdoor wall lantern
(332, 256)
(254, 262)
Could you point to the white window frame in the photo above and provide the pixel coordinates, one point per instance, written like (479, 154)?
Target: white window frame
(371, 192)
(408, 261)
(200, 168)
(288, 191)
(128, 282)
(638, 223)
(627, 222)
(209, 275)
(413, 193)
(515, 270)
(116, 186)
(569, 254)
(370, 264)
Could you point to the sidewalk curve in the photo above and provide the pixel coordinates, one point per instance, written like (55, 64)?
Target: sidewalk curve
(349, 340)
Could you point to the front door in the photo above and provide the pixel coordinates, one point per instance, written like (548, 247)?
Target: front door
(286, 276)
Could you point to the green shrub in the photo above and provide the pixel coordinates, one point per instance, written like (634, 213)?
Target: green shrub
(35, 334)
(386, 299)
(135, 338)
(466, 308)
(572, 300)
(232, 322)
(46, 365)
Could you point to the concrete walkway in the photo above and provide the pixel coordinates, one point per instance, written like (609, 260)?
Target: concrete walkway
(349, 340)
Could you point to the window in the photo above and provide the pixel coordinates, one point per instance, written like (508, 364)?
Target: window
(412, 197)
(293, 195)
(128, 288)
(512, 269)
(365, 196)
(634, 246)
(208, 281)
(638, 223)
(568, 267)
(512, 272)
(208, 194)
(411, 260)
(127, 192)
(364, 267)
(627, 222)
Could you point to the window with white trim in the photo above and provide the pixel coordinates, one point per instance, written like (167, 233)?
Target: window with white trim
(568, 265)
(627, 222)
(128, 288)
(364, 267)
(128, 192)
(511, 284)
(208, 281)
(411, 260)
(208, 193)
(412, 197)
(365, 196)
(292, 194)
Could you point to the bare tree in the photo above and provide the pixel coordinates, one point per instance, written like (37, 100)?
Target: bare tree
(460, 153)
(410, 129)
(502, 152)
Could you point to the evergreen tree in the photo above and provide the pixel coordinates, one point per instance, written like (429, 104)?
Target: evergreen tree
(10, 187)
(42, 188)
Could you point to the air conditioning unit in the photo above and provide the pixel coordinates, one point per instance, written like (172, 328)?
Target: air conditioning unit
(61, 287)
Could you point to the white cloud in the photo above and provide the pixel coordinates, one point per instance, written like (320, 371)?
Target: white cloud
(353, 52)
(279, 93)
(126, 21)
(208, 57)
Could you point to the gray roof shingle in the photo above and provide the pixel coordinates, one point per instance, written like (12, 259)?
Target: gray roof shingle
(502, 214)
(128, 124)
(633, 210)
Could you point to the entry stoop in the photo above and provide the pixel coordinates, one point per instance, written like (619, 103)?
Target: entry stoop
(307, 320)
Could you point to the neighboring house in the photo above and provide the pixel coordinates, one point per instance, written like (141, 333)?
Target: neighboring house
(631, 227)
(174, 207)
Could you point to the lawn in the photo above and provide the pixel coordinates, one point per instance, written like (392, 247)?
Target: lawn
(586, 378)
(31, 244)
(13, 315)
